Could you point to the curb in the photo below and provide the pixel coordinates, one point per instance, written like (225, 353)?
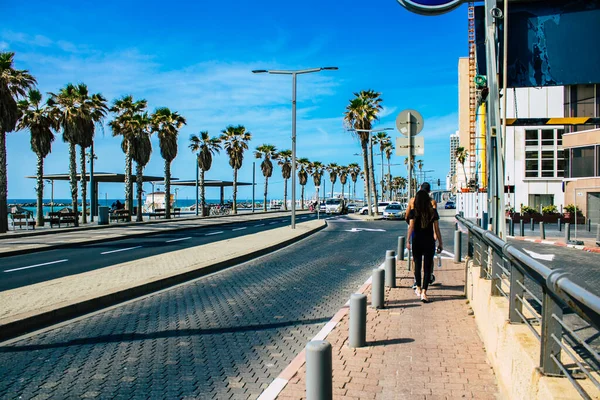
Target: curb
(279, 383)
(560, 244)
(43, 320)
(11, 253)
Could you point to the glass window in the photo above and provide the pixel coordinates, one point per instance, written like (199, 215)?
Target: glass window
(547, 137)
(531, 137)
(531, 154)
(567, 155)
(582, 162)
(546, 154)
(597, 160)
(559, 135)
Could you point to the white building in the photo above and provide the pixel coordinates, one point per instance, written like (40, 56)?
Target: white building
(454, 143)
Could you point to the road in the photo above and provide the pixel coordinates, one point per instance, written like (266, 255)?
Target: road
(27, 269)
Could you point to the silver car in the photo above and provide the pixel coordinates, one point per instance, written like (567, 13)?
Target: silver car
(394, 211)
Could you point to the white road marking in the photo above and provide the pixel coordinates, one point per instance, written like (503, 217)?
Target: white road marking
(271, 223)
(365, 229)
(177, 240)
(260, 225)
(125, 249)
(36, 265)
(447, 253)
(213, 233)
(238, 229)
(545, 257)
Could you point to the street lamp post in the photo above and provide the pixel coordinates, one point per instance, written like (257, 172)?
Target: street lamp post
(294, 73)
(370, 164)
(51, 182)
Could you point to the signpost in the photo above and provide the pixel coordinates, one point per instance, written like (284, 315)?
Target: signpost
(430, 7)
(410, 123)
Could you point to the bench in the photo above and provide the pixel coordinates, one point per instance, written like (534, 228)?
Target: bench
(65, 218)
(120, 215)
(22, 220)
(162, 212)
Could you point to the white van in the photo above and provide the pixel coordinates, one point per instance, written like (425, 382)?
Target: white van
(334, 206)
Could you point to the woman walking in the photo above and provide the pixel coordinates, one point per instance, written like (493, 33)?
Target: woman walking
(423, 223)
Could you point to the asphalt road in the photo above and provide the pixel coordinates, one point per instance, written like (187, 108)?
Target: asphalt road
(226, 335)
(27, 269)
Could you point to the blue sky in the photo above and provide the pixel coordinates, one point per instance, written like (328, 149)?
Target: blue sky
(196, 58)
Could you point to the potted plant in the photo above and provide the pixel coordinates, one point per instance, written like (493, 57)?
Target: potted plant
(550, 213)
(527, 212)
(569, 212)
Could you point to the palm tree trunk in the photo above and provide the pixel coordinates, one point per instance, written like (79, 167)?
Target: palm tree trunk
(302, 197)
(265, 194)
(234, 207)
(73, 179)
(140, 182)
(332, 183)
(389, 178)
(3, 184)
(167, 189)
(83, 185)
(39, 188)
(285, 194)
(202, 193)
(128, 163)
(343, 190)
(367, 188)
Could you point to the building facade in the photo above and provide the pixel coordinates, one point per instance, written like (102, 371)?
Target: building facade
(454, 143)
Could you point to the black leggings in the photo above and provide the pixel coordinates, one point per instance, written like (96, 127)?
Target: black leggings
(420, 251)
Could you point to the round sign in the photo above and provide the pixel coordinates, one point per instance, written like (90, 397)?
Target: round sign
(430, 7)
(416, 122)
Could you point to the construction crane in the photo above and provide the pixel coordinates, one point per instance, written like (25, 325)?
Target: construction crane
(472, 94)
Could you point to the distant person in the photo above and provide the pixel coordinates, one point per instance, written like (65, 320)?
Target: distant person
(423, 226)
(119, 205)
(113, 206)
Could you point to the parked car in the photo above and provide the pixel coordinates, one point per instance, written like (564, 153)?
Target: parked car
(450, 205)
(335, 206)
(380, 207)
(322, 206)
(394, 211)
(352, 208)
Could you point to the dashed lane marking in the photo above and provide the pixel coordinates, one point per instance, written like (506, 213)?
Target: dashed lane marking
(116, 251)
(36, 265)
(238, 229)
(177, 240)
(213, 233)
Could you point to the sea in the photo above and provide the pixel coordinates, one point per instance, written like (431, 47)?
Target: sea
(30, 204)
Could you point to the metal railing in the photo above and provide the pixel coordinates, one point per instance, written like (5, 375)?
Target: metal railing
(562, 351)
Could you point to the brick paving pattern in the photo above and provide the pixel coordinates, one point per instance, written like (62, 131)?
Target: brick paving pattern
(414, 350)
(227, 335)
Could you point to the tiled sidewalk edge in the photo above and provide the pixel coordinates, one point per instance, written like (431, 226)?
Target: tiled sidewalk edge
(560, 244)
(279, 383)
(70, 311)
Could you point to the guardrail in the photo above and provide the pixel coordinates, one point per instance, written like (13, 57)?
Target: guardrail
(508, 268)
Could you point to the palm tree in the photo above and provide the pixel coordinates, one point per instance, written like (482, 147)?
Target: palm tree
(302, 164)
(235, 141)
(141, 149)
(14, 83)
(205, 146)
(360, 114)
(284, 160)
(167, 124)
(389, 150)
(126, 108)
(381, 138)
(461, 155)
(343, 171)
(316, 170)
(266, 152)
(332, 168)
(420, 166)
(354, 170)
(92, 110)
(38, 119)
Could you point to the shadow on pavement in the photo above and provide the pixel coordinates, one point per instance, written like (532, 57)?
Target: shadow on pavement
(388, 342)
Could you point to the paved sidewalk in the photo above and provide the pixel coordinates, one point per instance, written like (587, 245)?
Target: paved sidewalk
(28, 241)
(28, 307)
(415, 350)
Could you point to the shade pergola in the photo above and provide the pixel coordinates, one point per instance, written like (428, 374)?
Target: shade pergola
(99, 177)
(209, 183)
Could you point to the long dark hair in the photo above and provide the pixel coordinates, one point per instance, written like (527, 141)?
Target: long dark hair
(423, 208)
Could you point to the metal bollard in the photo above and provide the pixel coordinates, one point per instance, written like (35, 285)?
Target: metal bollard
(522, 228)
(456, 226)
(511, 227)
(457, 246)
(401, 246)
(532, 223)
(559, 224)
(319, 370)
(358, 321)
(390, 271)
(542, 230)
(478, 222)
(377, 289)
(567, 232)
(589, 225)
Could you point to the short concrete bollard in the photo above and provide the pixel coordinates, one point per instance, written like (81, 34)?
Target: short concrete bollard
(542, 230)
(567, 232)
(522, 228)
(532, 223)
(358, 321)
(457, 246)
(319, 370)
(511, 227)
(377, 288)
(401, 247)
(390, 272)
(559, 223)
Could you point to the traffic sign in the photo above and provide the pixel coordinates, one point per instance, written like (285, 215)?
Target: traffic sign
(402, 146)
(416, 122)
(430, 7)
